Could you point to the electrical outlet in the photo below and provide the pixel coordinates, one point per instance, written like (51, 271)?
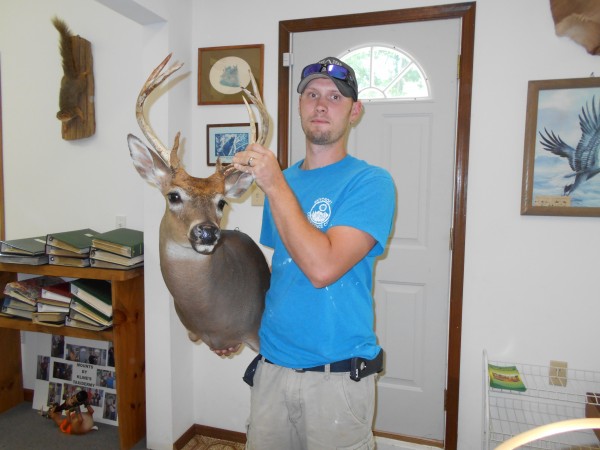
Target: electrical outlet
(558, 373)
(121, 221)
(258, 197)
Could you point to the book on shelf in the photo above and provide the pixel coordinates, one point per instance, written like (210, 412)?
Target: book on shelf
(78, 241)
(95, 293)
(51, 250)
(505, 377)
(83, 308)
(98, 264)
(52, 319)
(30, 290)
(52, 302)
(122, 241)
(32, 246)
(103, 255)
(16, 312)
(68, 261)
(16, 303)
(70, 322)
(60, 292)
(76, 315)
(31, 260)
(43, 307)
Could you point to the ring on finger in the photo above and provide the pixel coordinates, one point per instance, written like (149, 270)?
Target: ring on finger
(250, 161)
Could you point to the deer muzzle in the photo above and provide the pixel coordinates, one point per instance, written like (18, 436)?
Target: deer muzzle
(204, 237)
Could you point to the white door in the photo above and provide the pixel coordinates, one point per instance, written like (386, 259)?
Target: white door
(415, 141)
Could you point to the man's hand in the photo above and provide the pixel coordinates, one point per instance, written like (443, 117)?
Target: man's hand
(262, 164)
(227, 351)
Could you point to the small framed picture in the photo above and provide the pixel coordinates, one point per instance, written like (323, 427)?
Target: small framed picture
(561, 163)
(224, 141)
(223, 71)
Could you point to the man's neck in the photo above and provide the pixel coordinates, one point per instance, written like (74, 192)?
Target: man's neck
(318, 156)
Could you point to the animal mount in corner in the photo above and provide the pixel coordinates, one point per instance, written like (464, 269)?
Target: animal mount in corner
(579, 20)
(76, 97)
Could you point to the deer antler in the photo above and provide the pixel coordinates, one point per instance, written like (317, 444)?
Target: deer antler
(157, 77)
(154, 80)
(256, 99)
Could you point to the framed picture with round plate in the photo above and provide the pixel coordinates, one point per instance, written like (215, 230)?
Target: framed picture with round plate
(223, 71)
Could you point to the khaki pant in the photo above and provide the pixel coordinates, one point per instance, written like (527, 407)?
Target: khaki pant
(310, 410)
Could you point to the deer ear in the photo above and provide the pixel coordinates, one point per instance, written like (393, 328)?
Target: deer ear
(151, 167)
(236, 182)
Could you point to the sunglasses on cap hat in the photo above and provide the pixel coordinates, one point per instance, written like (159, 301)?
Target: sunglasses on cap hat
(333, 70)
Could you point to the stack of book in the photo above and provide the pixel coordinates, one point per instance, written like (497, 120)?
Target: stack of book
(53, 305)
(24, 251)
(21, 297)
(121, 248)
(91, 304)
(70, 248)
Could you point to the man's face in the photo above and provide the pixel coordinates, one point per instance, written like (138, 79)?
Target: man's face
(325, 113)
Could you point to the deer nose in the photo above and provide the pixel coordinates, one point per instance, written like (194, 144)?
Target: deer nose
(206, 233)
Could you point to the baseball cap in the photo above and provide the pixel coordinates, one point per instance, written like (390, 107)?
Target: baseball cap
(339, 72)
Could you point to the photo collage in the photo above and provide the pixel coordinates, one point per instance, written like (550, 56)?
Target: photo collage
(71, 365)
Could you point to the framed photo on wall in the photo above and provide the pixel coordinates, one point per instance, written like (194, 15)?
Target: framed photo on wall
(224, 141)
(561, 163)
(222, 70)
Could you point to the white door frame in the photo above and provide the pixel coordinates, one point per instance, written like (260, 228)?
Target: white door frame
(466, 12)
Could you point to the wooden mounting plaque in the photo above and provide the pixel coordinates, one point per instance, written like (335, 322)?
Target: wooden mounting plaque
(80, 128)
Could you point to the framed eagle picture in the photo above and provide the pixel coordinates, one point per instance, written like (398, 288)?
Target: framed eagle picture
(561, 164)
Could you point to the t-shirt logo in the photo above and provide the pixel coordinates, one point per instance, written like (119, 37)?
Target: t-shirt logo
(320, 212)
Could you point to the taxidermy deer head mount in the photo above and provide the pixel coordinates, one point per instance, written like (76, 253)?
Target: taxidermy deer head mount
(218, 278)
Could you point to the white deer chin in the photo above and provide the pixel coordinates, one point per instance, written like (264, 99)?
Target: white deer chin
(203, 248)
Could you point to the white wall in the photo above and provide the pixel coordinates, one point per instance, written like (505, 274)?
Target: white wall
(529, 281)
(51, 183)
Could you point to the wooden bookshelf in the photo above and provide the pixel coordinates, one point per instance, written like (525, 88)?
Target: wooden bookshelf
(127, 336)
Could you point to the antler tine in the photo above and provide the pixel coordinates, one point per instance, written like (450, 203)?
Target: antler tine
(256, 99)
(156, 78)
(252, 121)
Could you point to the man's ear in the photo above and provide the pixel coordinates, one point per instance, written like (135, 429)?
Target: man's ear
(356, 111)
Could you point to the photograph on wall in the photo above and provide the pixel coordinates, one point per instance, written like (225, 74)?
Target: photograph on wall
(68, 365)
(224, 141)
(562, 161)
(223, 71)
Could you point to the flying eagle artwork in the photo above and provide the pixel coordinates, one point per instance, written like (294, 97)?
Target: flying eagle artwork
(585, 159)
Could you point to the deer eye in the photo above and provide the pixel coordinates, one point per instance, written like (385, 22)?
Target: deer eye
(221, 204)
(173, 197)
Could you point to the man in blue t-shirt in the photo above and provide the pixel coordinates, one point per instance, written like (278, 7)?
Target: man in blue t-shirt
(328, 218)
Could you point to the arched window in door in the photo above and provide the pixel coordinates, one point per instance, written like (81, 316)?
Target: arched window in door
(387, 73)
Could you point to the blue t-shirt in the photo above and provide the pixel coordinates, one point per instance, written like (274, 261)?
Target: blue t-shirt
(303, 326)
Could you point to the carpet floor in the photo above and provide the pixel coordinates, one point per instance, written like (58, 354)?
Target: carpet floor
(22, 427)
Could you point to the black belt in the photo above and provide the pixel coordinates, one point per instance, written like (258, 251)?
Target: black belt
(339, 366)
(358, 367)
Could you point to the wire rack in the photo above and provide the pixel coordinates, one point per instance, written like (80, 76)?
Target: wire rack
(508, 413)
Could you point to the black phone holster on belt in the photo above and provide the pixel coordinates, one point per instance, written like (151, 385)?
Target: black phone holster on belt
(360, 367)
